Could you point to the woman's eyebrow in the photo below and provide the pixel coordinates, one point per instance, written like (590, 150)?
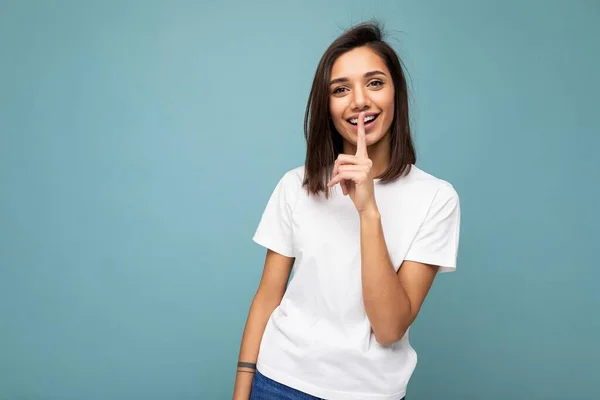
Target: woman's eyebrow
(366, 75)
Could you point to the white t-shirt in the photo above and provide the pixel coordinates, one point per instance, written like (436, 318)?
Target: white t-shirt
(319, 339)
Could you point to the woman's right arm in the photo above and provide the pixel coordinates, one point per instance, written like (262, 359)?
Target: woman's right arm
(270, 291)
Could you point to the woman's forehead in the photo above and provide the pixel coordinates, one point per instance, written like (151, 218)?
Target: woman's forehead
(356, 63)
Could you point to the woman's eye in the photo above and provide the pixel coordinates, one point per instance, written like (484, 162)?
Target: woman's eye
(338, 90)
(376, 83)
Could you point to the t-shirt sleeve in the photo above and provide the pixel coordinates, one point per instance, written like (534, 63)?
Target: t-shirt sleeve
(275, 229)
(436, 242)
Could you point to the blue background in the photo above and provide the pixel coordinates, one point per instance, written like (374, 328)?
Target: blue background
(140, 140)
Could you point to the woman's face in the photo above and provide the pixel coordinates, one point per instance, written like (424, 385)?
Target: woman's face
(360, 81)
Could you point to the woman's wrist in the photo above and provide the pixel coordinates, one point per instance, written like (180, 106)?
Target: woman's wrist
(370, 212)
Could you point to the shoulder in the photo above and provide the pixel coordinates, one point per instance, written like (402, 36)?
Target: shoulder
(294, 176)
(289, 185)
(291, 180)
(425, 185)
(420, 193)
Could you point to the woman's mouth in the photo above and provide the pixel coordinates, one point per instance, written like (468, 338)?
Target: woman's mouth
(369, 121)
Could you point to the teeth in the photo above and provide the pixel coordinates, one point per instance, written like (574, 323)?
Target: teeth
(367, 119)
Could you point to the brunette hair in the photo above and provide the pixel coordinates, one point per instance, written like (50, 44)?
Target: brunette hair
(324, 143)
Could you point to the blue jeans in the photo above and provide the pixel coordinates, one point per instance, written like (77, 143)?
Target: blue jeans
(264, 388)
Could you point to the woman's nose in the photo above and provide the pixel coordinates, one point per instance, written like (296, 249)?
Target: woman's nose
(360, 99)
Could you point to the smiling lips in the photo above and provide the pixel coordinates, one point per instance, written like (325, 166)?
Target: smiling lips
(369, 121)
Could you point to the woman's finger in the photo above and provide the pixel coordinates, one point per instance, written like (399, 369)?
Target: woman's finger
(350, 159)
(361, 141)
(357, 176)
(352, 167)
(344, 186)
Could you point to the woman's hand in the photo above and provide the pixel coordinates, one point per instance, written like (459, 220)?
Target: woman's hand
(353, 173)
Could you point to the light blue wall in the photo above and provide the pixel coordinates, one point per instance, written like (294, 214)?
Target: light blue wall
(140, 140)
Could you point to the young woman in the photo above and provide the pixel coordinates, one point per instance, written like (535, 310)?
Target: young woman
(366, 232)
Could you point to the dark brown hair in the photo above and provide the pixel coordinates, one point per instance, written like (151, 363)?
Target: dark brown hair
(324, 143)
